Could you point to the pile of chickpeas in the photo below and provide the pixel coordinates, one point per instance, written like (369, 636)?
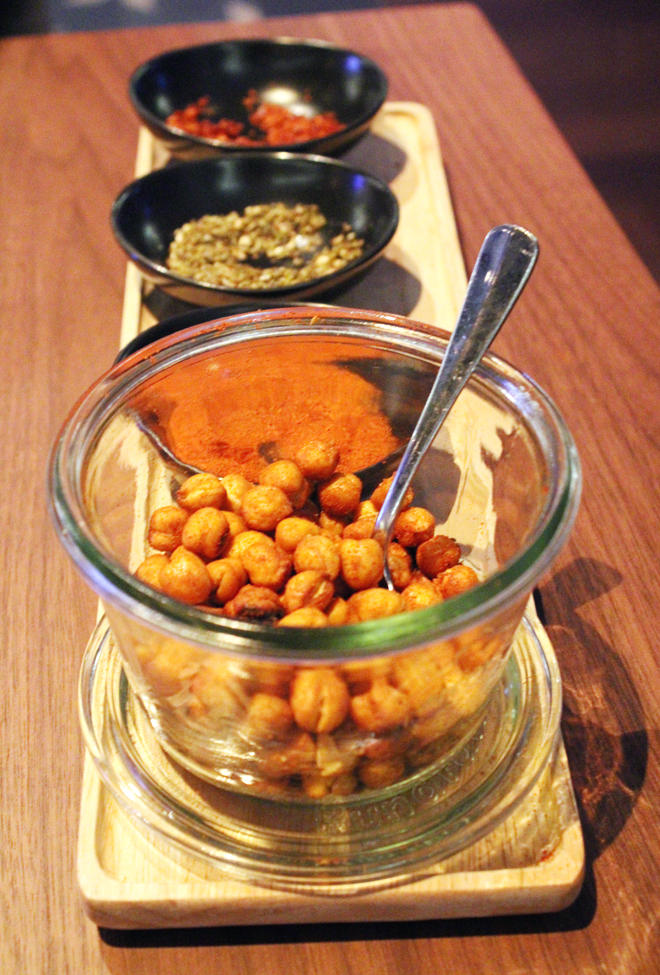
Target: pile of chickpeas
(295, 549)
(267, 552)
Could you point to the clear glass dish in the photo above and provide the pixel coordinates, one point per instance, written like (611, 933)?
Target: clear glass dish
(369, 841)
(502, 478)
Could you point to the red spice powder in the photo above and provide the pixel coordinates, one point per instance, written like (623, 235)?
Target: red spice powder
(218, 413)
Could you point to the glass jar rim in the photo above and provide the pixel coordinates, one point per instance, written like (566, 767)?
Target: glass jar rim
(118, 587)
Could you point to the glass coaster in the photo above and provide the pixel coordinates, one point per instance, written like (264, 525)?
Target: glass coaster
(342, 845)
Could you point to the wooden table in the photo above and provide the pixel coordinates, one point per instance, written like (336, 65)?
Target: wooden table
(587, 331)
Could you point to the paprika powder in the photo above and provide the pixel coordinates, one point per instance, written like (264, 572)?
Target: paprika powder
(235, 417)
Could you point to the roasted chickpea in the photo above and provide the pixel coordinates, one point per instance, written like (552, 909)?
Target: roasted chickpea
(266, 564)
(186, 578)
(394, 744)
(269, 716)
(228, 576)
(423, 751)
(333, 524)
(378, 774)
(288, 477)
(270, 678)
(147, 651)
(320, 553)
(362, 562)
(236, 524)
(274, 787)
(166, 526)
(244, 541)
(423, 676)
(256, 603)
(344, 785)
(206, 533)
(413, 526)
(379, 494)
(235, 486)
(362, 675)
(219, 696)
(320, 699)
(171, 668)
(315, 785)
(149, 570)
(263, 506)
(437, 554)
(476, 651)
(337, 612)
(308, 588)
(381, 709)
(297, 758)
(420, 593)
(334, 756)
(291, 531)
(400, 564)
(202, 491)
(374, 604)
(366, 509)
(317, 459)
(305, 616)
(340, 494)
(436, 724)
(362, 528)
(454, 581)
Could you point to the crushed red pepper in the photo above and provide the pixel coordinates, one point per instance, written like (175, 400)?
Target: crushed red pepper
(272, 125)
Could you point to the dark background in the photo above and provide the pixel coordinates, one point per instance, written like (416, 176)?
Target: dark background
(594, 63)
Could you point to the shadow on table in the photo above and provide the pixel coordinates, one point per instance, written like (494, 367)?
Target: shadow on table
(576, 917)
(607, 747)
(603, 720)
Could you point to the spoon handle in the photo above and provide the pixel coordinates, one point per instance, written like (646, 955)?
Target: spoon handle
(505, 261)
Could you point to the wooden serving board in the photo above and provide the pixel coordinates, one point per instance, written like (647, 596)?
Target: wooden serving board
(534, 861)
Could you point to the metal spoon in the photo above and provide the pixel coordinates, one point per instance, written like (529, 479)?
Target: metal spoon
(503, 266)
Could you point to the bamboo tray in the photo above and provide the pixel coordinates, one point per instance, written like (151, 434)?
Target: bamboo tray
(534, 861)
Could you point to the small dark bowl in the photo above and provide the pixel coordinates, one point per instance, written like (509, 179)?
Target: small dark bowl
(148, 212)
(307, 77)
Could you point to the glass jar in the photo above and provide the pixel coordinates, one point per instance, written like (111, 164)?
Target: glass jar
(313, 714)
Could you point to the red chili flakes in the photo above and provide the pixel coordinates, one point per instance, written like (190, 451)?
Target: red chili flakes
(272, 124)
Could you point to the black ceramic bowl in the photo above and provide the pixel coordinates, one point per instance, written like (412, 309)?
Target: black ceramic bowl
(306, 77)
(149, 210)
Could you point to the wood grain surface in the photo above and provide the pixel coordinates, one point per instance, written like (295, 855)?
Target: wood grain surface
(586, 331)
